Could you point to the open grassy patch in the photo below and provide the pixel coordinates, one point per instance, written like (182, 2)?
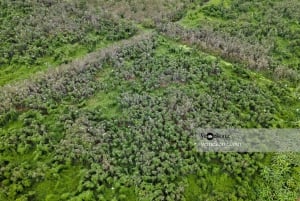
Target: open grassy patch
(61, 185)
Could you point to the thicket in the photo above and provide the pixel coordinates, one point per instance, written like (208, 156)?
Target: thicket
(271, 26)
(33, 30)
(163, 93)
(158, 92)
(75, 80)
(144, 11)
(254, 56)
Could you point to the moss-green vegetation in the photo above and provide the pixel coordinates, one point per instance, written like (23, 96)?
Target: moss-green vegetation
(119, 123)
(59, 183)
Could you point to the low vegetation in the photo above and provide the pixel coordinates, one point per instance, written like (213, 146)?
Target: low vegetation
(118, 121)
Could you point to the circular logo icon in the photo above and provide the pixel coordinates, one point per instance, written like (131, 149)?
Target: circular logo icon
(210, 136)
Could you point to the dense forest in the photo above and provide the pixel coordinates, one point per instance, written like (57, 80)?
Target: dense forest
(101, 100)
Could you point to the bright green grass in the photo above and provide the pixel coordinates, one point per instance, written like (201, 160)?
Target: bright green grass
(220, 182)
(57, 185)
(106, 102)
(194, 17)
